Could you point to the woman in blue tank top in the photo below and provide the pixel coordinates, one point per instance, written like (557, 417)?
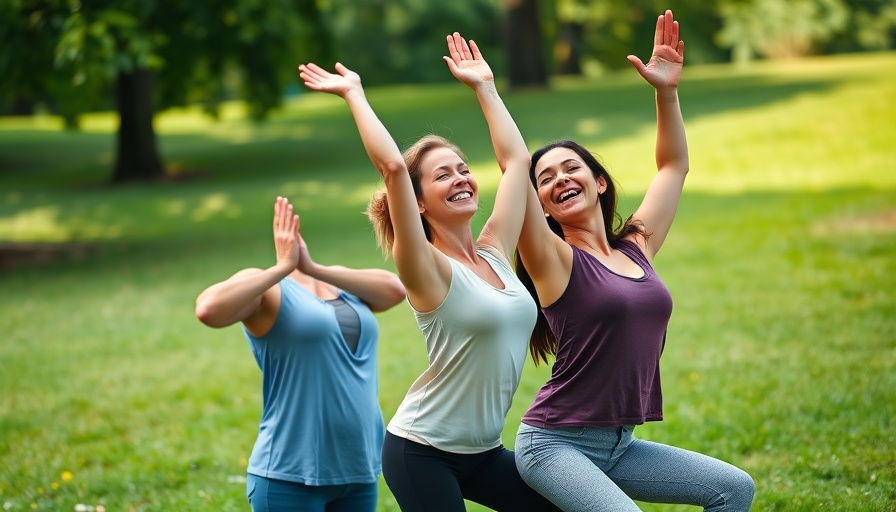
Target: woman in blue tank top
(604, 313)
(313, 334)
(444, 443)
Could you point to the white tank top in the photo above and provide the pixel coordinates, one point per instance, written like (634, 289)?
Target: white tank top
(477, 340)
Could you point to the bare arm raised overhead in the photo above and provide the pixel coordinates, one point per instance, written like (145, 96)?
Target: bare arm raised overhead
(503, 226)
(663, 72)
(425, 273)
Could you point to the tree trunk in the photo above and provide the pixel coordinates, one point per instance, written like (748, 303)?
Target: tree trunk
(523, 42)
(138, 158)
(569, 48)
(22, 106)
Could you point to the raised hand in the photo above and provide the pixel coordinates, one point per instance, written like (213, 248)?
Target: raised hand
(319, 79)
(305, 264)
(466, 62)
(663, 70)
(286, 235)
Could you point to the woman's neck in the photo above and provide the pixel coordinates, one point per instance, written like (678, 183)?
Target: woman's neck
(589, 236)
(455, 242)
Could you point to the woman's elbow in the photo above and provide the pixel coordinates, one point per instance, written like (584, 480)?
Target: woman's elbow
(206, 314)
(390, 168)
(392, 294)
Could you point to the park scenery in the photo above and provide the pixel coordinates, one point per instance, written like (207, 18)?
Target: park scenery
(780, 356)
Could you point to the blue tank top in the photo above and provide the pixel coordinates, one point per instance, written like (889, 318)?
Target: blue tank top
(321, 421)
(610, 332)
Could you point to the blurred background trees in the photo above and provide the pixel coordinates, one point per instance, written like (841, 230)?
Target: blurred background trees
(66, 57)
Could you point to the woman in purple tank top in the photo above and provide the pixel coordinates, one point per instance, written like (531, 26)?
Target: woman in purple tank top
(604, 314)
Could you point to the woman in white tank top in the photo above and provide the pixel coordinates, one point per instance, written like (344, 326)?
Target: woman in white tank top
(443, 445)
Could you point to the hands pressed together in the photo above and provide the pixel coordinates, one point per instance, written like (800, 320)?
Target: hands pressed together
(292, 252)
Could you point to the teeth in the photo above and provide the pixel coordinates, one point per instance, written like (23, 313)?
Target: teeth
(566, 195)
(458, 197)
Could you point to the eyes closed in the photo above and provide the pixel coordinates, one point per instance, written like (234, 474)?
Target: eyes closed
(442, 175)
(548, 174)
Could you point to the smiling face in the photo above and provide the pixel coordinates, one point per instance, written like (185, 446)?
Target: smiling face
(566, 185)
(447, 187)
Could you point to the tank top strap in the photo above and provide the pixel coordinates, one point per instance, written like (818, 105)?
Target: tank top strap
(633, 251)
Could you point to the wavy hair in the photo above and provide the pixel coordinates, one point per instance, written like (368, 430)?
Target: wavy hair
(543, 343)
(378, 208)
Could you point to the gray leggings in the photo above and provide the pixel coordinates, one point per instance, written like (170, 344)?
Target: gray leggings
(604, 469)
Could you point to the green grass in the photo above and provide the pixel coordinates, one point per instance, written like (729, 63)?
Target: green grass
(781, 355)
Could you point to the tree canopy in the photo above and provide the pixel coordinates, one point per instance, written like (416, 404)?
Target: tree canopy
(141, 56)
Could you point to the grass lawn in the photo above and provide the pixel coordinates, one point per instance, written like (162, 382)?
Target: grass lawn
(781, 354)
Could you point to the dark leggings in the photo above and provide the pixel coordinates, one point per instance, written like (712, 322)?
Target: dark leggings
(426, 479)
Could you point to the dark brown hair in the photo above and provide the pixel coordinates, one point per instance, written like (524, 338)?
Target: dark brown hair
(543, 343)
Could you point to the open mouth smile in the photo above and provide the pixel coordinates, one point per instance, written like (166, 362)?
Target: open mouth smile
(566, 196)
(460, 196)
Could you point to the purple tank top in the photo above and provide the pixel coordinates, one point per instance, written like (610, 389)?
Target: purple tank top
(610, 332)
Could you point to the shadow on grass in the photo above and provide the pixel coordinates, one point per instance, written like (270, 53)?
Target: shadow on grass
(300, 141)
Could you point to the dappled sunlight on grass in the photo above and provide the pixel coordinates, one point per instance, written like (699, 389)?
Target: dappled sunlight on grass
(588, 126)
(214, 205)
(780, 355)
(46, 224)
(247, 133)
(875, 223)
(38, 122)
(309, 193)
(800, 143)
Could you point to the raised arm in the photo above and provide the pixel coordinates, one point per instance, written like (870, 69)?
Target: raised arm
(425, 274)
(663, 72)
(247, 295)
(379, 289)
(502, 229)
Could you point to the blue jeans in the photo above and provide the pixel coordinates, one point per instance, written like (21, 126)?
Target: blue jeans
(604, 469)
(269, 495)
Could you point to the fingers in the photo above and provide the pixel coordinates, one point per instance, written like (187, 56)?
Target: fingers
(451, 65)
(312, 74)
(669, 28)
(667, 31)
(468, 55)
(284, 219)
(452, 48)
(475, 49)
(313, 70)
(639, 65)
(460, 50)
(342, 70)
(278, 215)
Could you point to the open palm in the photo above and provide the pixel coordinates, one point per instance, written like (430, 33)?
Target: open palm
(664, 67)
(319, 79)
(466, 62)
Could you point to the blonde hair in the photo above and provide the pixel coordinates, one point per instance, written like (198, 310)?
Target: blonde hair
(378, 208)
